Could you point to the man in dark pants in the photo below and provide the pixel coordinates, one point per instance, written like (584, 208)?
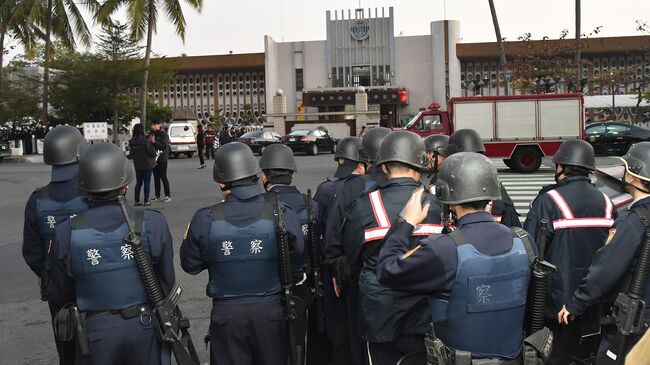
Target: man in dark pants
(614, 264)
(200, 144)
(95, 267)
(393, 322)
(579, 217)
(160, 140)
(236, 242)
(348, 156)
(210, 137)
(503, 210)
(348, 192)
(51, 205)
(477, 277)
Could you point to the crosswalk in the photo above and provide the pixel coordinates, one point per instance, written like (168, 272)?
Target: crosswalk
(523, 188)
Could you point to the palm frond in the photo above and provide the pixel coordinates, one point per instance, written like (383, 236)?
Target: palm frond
(174, 12)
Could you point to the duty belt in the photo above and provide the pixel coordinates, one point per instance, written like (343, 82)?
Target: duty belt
(141, 310)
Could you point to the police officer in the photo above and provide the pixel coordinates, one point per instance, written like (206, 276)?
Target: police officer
(278, 167)
(436, 146)
(235, 240)
(477, 276)
(52, 205)
(350, 162)
(95, 267)
(614, 263)
(579, 217)
(503, 210)
(393, 322)
(349, 191)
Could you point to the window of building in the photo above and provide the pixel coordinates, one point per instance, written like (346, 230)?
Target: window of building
(299, 79)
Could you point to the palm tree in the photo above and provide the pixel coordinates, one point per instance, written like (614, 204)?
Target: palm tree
(61, 19)
(12, 24)
(502, 51)
(143, 16)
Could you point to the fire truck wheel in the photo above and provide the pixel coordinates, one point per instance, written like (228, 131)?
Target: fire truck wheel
(526, 159)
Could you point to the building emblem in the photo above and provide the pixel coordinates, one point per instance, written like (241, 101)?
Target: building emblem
(360, 30)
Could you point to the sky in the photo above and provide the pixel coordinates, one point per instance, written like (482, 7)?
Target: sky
(239, 26)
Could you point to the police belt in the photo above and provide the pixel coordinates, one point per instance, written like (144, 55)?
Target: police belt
(465, 358)
(140, 310)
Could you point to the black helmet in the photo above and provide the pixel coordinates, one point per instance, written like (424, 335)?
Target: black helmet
(104, 168)
(234, 161)
(467, 177)
(278, 157)
(63, 145)
(405, 147)
(575, 152)
(371, 141)
(437, 143)
(637, 161)
(465, 140)
(349, 148)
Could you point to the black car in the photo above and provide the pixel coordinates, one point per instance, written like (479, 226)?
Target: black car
(258, 140)
(5, 149)
(612, 138)
(310, 141)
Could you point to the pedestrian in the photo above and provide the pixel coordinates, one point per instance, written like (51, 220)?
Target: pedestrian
(235, 240)
(143, 154)
(363, 131)
(436, 146)
(503, 210)
(51, 205)
(210, 137)
(347, 193)
(200, 144)
(476, 278)
(95, 267)
(393, 322)
(614, 266)
(349, 162)
(160, 140)
(579, 217)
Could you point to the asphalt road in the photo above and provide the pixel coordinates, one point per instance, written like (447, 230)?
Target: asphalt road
(25, 331)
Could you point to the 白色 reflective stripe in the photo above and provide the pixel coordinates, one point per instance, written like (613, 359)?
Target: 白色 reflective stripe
(379, 233)
(378, 209)
(582, 223)
(561, 203)
(609, 207)
(497, 218)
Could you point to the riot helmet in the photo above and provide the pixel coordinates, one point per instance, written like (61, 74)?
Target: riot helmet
(437, 143)
(278, 157)
(467, 177)
(465, 140)
(63, 145)
(234, 161)
(371, 141)
(405, 147)
(349, 148)
(637, 161)
(575, 152)
(104, 168)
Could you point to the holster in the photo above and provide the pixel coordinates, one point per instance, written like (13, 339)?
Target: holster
(537, 347)
(64, 325)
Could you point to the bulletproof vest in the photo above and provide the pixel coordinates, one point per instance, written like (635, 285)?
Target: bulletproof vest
(485, 313)
(243, 260)
(103, 265)
(51, 212)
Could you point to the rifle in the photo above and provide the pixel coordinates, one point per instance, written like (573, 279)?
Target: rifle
(172, 326)
(315, 262)
(286, 280)
(628, 312)
(537, 295)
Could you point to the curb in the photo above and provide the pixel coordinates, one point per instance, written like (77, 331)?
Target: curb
(15, 159)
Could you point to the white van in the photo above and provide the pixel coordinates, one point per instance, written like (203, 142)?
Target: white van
(182, 139)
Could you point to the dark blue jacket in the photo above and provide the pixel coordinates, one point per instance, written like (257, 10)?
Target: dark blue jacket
(106, 218)
(240, 208)
(612, 262)
(324, 196)
(34, 247)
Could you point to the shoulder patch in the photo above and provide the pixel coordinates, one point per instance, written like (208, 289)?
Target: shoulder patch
(410, 252)
(610, 237)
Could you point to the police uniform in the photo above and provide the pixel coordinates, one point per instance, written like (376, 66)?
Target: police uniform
(51, 205)
(579, 217)
(476, 278)
(235, 241)
(95, 267)
(503, 210)
(393, 322)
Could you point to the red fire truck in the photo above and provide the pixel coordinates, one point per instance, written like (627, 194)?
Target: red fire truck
(520, 129)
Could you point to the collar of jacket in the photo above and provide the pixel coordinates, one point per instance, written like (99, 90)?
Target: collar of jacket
(246, 192)
(475, 217)
(566, 181)
(401, 181)
(283, 188)
(645, 200)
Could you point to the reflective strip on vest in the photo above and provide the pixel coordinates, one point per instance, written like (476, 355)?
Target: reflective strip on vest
(497, 218)
(569, 221)
(381, 216)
